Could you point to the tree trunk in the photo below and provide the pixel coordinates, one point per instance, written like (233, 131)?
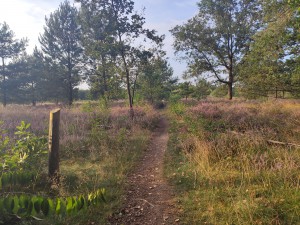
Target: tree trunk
(70, 89)
(230, 83)
(33, 95)
(230, 91)
(104, 74)
(4, 84)
(128, 87)
(70, 94)
(131, 111)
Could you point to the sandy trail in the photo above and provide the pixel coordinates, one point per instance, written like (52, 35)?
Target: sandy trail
(149, 198)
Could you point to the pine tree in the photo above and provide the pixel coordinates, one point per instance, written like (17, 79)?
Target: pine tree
(9, 48)
(61, 44)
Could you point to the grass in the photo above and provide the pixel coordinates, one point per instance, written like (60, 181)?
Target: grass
(223, 167)
(99, 147)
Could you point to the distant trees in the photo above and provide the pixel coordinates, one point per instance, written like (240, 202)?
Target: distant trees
(215, 40)
(24, 79)
(9, 48)
(271, 67)
(202, 89)
(99, 46)
(97, 42)
(250, 45)
(61, 44)
(155, 80)
(114, 28)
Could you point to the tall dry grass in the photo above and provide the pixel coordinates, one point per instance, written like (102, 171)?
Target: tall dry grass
(233, 175)
(98, 147)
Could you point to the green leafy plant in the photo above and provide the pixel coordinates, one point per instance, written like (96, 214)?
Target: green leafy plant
(39, 207)
(24, 153)
(7, 180)
(178, 108)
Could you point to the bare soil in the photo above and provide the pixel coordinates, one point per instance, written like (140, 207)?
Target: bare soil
(149, 198)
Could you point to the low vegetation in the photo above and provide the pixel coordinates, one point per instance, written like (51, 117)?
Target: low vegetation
(236, 162)
(99, 146)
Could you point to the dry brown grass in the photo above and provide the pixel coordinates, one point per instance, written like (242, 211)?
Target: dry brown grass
(98, 147)
(240, 178)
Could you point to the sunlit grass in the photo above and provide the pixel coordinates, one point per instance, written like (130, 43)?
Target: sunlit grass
(98, 148)
(231, 175)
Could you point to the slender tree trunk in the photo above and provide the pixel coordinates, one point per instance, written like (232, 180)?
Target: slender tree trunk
(33, 95)
(70, 87)
(4, 84)
(125, 64)
(127, 80)
(230, 91)
(128, 87)
(134, 88)
(230, 83)
(104, 74)
(70, 94)
(70, 70)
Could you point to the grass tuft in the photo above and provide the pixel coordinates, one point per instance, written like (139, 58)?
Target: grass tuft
(224, 169)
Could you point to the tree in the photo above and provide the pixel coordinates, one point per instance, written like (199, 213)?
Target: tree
(9, 48)
(270, 67)
(125, 27)
(27, 73)
(98, 41)
(202, 89)
(61, 43)
(185, 89)
(215, 40)
(156, 79)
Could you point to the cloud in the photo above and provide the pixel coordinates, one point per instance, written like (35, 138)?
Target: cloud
(27, 17)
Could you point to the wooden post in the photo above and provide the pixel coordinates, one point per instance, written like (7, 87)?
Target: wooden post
(54, 145)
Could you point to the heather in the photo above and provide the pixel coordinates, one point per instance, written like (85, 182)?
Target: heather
(227, 170)
(99, 145)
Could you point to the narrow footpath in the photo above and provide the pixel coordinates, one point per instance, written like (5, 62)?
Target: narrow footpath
(149, 198)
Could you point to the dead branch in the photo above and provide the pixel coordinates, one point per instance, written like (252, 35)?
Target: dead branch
(272, 142)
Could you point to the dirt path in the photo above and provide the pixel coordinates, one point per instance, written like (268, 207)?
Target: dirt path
(149, 198)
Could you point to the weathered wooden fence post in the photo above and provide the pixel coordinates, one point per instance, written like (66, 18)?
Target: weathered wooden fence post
(54, 145)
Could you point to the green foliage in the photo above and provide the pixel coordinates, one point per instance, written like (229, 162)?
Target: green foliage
(27, 78)
(175, 96)
(202, 89)
(155, 82)
(185, 89)
(36, 207)
(178, 108)
(103, 103)
(10, 48)
(26, 153)
(10, 179)
(61, 44)
(217, 47)
(220, 91)
(115, 26)
(87, 106)
(271, 67)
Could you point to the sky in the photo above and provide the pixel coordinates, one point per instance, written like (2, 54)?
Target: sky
(27, 18)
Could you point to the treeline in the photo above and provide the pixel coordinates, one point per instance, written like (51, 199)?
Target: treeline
(249, 46)
(97, 43)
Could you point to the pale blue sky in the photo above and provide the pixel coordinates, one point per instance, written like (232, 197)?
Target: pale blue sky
(27, 18)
